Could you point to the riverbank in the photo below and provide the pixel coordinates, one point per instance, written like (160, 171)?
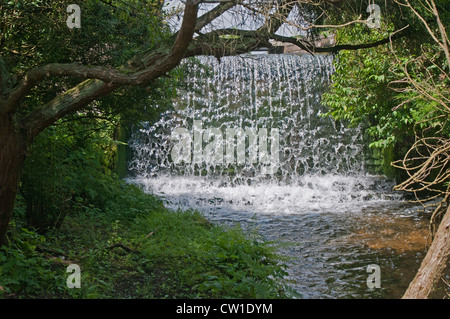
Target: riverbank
(137, 248)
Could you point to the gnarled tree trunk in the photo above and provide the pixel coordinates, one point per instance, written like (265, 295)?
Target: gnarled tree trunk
(434, 263)
(13, 149)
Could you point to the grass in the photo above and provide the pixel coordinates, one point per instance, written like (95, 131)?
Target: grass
(134, 247)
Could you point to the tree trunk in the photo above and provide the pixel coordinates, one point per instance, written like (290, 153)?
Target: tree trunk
(12, 155)
(434, 263)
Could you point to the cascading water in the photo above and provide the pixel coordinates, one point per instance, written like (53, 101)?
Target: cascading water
(246, 142)
(320, 162)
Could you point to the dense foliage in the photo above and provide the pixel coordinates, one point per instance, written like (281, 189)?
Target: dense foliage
(380, 88)
(72, 207)
(109, 36)
(360, 92)
(73, 155)
(133, 247)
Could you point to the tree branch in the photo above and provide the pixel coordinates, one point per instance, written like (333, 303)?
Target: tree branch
(336, 48)
(225, 42)
(214, 13)
(275, 21)
(102, 80)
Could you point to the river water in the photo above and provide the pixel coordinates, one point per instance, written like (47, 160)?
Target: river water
(300, 178)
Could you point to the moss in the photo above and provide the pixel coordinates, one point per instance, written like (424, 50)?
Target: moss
(389, 157)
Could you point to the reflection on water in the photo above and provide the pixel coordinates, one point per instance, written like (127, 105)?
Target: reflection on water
(331, 251)
(329, 248)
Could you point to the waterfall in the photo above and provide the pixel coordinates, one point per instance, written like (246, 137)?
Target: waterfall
(247, 134)
(246, 143)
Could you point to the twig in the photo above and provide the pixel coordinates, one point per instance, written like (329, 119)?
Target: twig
(128, 249)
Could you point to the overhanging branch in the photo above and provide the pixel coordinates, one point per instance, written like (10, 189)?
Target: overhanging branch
(275, 20)
(226, 42)
(305, 45)
(102, 80)
(214, 13)
(149, 69)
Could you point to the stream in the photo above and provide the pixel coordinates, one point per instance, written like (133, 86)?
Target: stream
(288, 173)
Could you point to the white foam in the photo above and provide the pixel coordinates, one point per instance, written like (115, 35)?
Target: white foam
(308, 194)
(321, 161)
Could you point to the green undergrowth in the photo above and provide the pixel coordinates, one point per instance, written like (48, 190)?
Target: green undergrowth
(134, 247)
